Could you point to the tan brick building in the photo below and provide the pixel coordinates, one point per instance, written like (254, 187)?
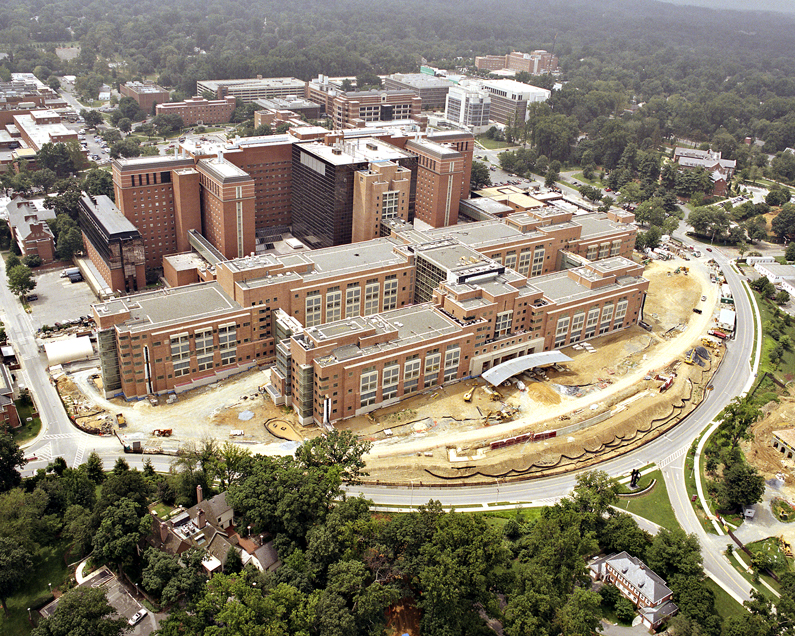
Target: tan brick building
(340, 324)
(536, 63)
(197, 110)
(380, 193)
(354, 109)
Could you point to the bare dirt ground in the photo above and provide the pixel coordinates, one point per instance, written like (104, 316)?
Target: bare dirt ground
(616, 380)
(760, 452)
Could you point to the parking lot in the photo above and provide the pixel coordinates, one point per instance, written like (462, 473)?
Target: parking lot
(59, 300)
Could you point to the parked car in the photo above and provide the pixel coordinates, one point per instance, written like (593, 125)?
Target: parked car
(137, 617)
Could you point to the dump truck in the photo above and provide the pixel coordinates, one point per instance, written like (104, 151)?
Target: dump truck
(120, 420)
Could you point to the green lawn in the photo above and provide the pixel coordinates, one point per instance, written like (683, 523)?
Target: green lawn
(783, 370)
(35, 593)
(28, 430)
(499, 518)
(162, 510)
(490, 144)
(593, 182)
(655, 506)
(772, 547)
(725, 605)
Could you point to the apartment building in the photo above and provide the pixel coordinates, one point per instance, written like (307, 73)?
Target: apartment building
(113, 244)
(432, 90)
(197, 110)
(145, 94)
(468, 106)
(249, 90)
(509, 99)
(324, 177)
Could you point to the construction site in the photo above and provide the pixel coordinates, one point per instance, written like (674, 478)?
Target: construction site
(616, 392)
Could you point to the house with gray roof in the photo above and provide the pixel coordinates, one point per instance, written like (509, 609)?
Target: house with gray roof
(29, 229)
(636, 582)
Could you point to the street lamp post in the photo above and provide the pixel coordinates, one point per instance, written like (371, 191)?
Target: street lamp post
(249, 532)
(50, 584)
(30, 617)
(498, 489)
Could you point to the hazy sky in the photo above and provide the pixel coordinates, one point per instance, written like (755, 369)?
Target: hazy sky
(786, 6)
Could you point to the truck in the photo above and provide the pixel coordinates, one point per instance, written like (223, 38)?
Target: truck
(120, 420)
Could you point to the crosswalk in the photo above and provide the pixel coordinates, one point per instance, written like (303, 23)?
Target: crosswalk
(45, 452)
(60, 436)
(672, 457)
(81, 450)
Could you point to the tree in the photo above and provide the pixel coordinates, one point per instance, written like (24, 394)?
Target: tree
(338, 448)
(673, 552)
(82, 611)
(625, 610)
(777, 197)
(550, 178)
(15, 562)
(125, 148)
(741, 485)
(95, 468)
(789, 254)
(92, 118)
(170, 577)
(782, 297)
(78, 528)
(234, 563)
(124, 125)
(120, 530)
(581, 615)
(31, 260)
(783, 224)
(480, 177)
(56, 158)
(69, 243)
(232, 461)
(98, 182)
(737, 417)
(595, 492)
(590, 193)
(20, 280)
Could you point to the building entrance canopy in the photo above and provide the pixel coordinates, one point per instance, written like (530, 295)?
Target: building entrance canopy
(497, 375)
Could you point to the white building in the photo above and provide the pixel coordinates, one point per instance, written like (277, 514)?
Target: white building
(469, 107)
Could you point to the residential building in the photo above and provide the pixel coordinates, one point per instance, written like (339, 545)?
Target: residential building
(432, 90)
(510, 99)
(637, 583)
(323, 186)
(29, 229)
(113, 244)
(469, 107)
(720, 170)
(145, 94)
(197, 110)
(249, 90)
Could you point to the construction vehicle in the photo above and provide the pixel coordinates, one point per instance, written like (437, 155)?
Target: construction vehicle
(162, 432)
(120, 420)
(786, 547)
(690, 358)
(468, 395)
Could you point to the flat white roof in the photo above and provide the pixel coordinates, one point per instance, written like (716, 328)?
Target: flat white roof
(497, 375)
